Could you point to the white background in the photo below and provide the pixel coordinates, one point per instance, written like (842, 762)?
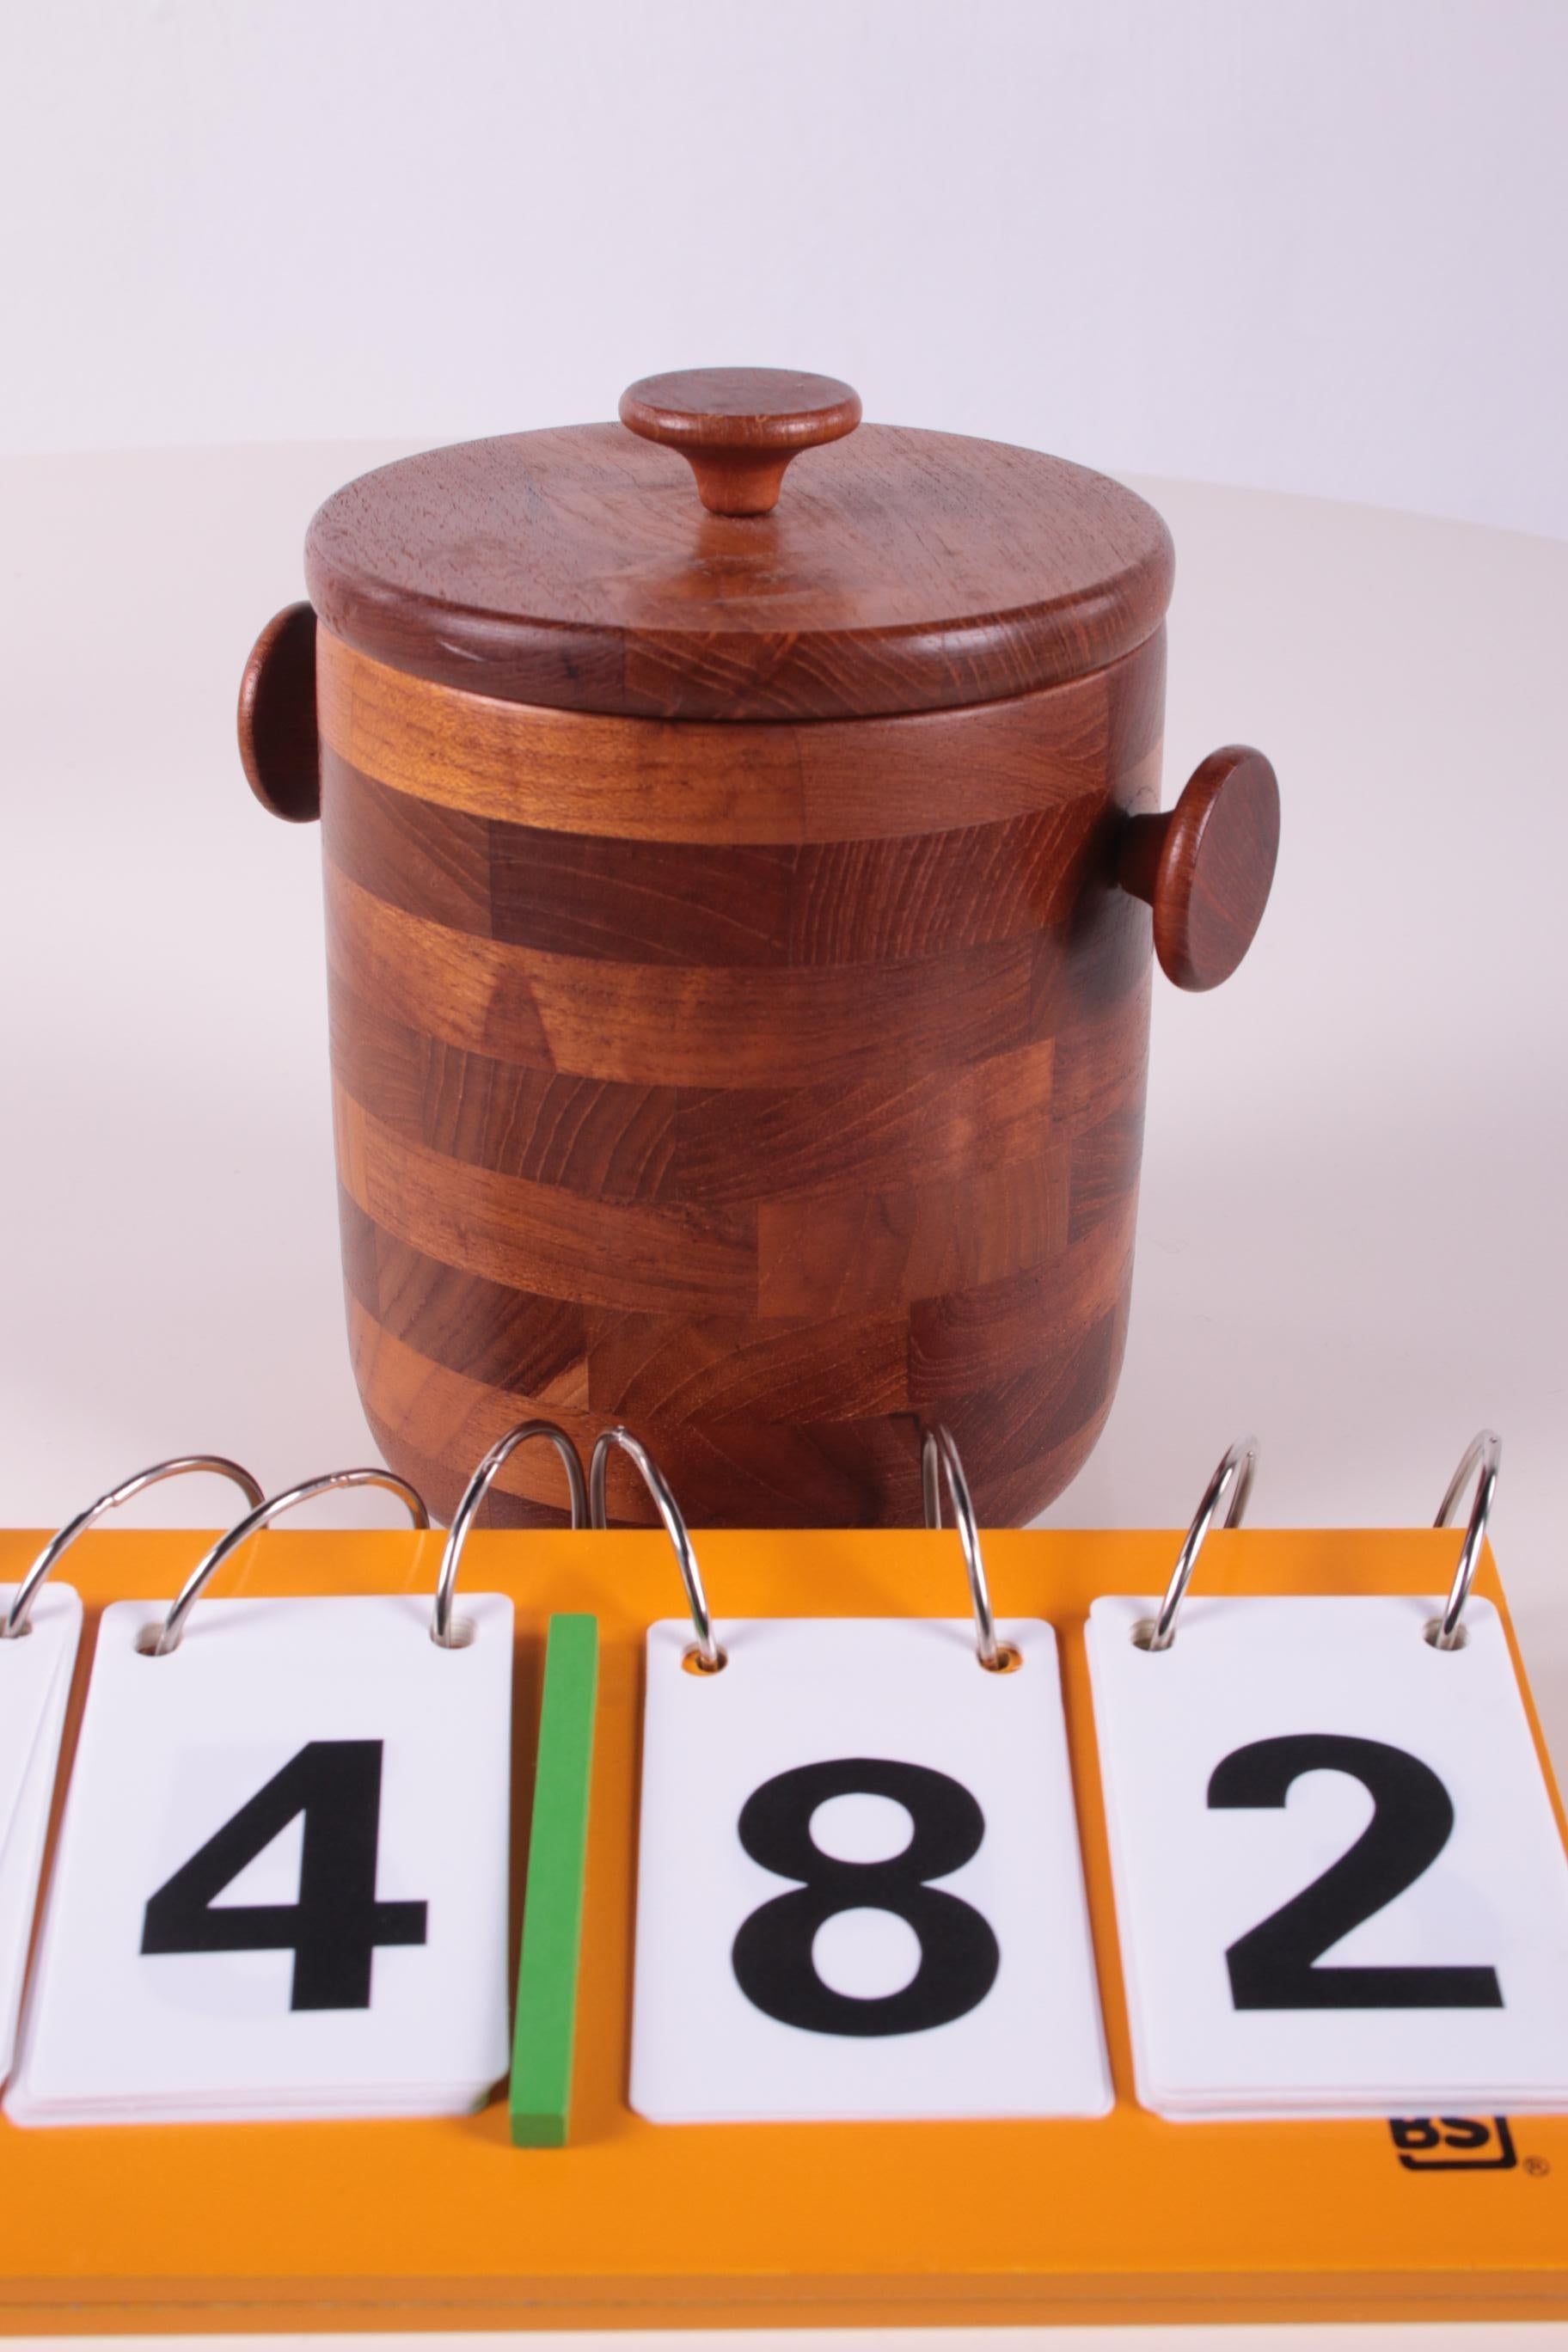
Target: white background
(1310, 244)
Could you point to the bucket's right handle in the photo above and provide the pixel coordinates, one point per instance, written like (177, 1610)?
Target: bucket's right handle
(1205, 866)
(277, 742)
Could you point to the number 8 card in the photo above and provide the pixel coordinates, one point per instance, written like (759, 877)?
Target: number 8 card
(860, 1894)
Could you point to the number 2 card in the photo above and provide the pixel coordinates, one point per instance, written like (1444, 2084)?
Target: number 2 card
(860, 1894)
(1340, 1886)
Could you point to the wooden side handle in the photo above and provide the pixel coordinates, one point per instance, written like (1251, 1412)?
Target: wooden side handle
(738, 429)
(1205, 866)
(278, 743)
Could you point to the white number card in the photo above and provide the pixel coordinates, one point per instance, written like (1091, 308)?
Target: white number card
(860, 1894)
(1340, 1886)
(34, 1687)
(281, 1885)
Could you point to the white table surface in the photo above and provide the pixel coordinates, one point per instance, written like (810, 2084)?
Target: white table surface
(1352, 1235)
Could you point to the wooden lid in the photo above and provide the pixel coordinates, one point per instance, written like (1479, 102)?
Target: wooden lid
(587, 569)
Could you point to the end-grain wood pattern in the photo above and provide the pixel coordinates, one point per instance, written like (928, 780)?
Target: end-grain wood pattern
(773, 1089)
(577, 568)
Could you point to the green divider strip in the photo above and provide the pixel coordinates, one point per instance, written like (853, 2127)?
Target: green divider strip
(546, 2028)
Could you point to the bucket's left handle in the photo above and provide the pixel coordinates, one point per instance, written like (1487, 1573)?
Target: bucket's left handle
(279, 746)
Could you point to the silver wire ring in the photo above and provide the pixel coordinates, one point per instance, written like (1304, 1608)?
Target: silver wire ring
(1482, 1455)
(474, 1493)
(938, 1454)
(709, 1657)
(17, 1617)
(1235, 1474)
(173, 1624)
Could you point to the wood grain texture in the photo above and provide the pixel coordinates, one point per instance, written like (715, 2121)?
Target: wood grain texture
(854, 780)
(497, 1334)
(1039, 1428)
(769, 1146)
(738, 429)
(276, 718)
(605, 1141)
(1023, 1327)
(845, 1473)
(707, 1146)
(1034, 1430)
(738, 942)
(691, 903)
(781, 1143)
(694, 1369)
(686, 1025)
(1207, 866)
(540, 1236)
(868, 1249)
(901, 571)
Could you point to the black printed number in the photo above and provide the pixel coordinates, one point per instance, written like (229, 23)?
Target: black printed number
(772, 1953)
(334, 1928)
(1273, 1966)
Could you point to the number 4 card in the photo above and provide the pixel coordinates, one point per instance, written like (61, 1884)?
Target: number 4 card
(1340, 1886)
(281, 1886)
(859, 1890)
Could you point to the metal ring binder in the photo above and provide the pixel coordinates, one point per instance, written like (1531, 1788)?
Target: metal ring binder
(17, 1617)
(1235, 1474)
(173, 1627)
(473, 1496)
(939, 1455)
(1482, 1457)
(708, 1656)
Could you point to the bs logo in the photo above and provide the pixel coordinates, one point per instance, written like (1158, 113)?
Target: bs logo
(1453, 2143)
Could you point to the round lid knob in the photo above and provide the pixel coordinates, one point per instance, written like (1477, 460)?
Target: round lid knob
(738, 429)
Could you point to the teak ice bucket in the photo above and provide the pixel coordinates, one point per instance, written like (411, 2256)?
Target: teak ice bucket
(739, 905)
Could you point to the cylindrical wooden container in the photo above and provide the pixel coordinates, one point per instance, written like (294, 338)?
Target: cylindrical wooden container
(740, 910)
